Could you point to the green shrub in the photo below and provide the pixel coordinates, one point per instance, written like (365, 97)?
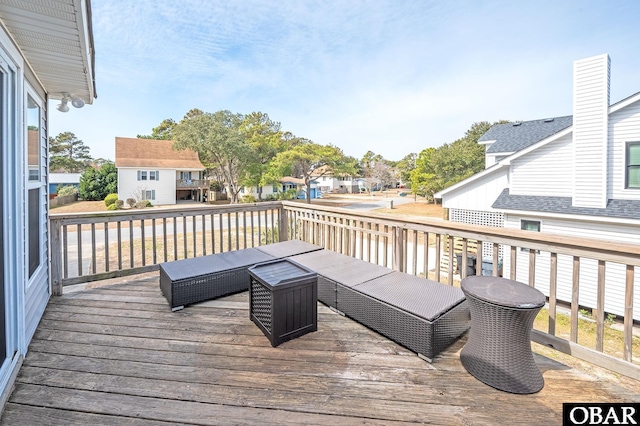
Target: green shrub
(149, 204)
(248, 199)
(112, 207)
(119, 204)
(110, 199)
(66, 190)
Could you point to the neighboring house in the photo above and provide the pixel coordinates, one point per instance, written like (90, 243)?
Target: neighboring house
(577, 175)
(328, 182)
(46, 53)
(63, 179)
(150, 169)
(298, 184)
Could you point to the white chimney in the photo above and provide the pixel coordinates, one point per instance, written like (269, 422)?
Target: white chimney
(590, 130)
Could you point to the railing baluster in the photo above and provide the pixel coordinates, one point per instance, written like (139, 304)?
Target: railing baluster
(131, 257)
(154, 246)
(164, 237)
(438, 254)
(175, 238)
(479, 247)
(106, 247)
(496, 267)
(450, 264)
(144, 254)
(184, 237)
(575, 299)
(414, 262)
(532, 267)
(93, 248)
(79, 241)
(244, 229)
(194, 234)
(238, 231)
(65, 251)
(628, 314)
(229, 246)
(600, 307)
(259, 230)
(462, 268)
(119, 233)
(513, 259)
(204, 235)
(377, 243)
(253, 232)
(220, 222)
(213, 233)
(553, 284)
(425, 244)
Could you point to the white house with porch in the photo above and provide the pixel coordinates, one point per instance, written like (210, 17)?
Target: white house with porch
(46, 53)
(574, 175)
(150, 169)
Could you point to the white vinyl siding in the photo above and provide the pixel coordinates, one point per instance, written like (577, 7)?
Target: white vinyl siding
(544, 171)
(130, 187)
(615, 273)
(479, 194)
(37, 288)
(590, 130)
(624, 127)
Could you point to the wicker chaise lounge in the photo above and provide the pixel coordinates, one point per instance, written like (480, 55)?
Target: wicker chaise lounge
(333, 268)
(194, 280)
(422, 315)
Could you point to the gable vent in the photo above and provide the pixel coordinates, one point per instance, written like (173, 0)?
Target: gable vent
(517, 124)
(548, 120)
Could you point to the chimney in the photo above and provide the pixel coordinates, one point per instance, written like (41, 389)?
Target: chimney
(590, 130)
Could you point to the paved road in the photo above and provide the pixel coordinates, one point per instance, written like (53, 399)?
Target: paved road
(377, 203)
(358, 204)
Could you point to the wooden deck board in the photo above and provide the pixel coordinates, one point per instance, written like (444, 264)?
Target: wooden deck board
(118, 355)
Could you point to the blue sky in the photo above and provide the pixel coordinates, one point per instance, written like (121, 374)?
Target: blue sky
(393, 77)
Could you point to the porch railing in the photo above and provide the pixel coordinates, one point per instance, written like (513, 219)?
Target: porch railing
(95, 246)
(89, 247)
(191, 183)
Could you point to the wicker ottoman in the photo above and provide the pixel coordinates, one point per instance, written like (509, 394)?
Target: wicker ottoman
(498, 351)
(283, 300)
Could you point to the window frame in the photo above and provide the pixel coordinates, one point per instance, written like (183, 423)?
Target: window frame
(39, 184)
(522, 222)
(627, 166)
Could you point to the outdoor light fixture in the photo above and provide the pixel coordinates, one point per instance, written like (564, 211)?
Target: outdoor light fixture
(76, 101)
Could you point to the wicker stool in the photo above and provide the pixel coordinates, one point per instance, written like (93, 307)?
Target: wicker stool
(498, 351)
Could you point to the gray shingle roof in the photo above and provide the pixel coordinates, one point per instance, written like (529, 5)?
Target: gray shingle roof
(513, 138)
(626, 209)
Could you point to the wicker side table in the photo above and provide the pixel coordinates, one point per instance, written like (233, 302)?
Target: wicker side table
(498, 351)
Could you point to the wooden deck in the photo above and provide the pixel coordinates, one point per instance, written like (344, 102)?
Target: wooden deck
(118, 355)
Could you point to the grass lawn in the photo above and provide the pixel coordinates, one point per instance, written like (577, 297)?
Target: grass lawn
(417, 208)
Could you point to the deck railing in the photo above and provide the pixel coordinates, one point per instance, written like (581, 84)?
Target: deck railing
(191, 183)
(95, 246)
(88, 247)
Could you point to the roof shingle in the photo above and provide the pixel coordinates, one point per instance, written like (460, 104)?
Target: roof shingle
(153, 153)
(625, 209)
(513, 137)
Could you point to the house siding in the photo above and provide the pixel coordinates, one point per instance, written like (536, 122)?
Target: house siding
(614, 273)
(624, 126)
(590, 116)
(479, 194)
(544, 171)
(37, 290)
(129, 186)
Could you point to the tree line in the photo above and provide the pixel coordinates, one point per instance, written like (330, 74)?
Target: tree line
(252, 150)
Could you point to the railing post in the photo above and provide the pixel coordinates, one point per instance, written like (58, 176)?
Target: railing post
(397, 259)
(283, 225)
(55, 248)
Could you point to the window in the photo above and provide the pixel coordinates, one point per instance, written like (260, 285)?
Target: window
(142, 175)
(154, 175)
(149, 195)
(33, 139)
(633, 165)
(530, 225)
